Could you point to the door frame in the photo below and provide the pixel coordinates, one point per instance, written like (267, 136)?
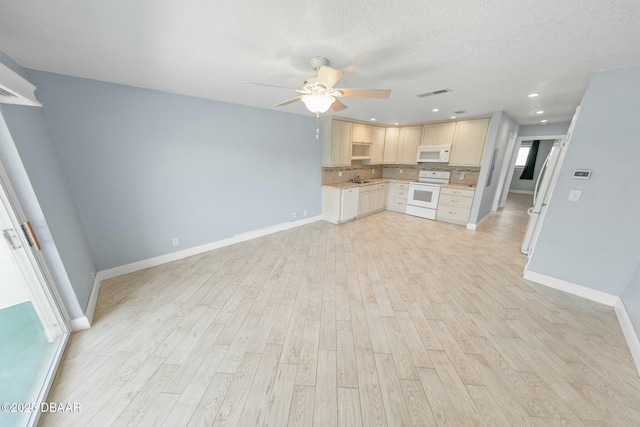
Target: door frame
(49, 294)
(506, 174)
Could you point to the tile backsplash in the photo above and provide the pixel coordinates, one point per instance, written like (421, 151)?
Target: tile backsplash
(459, 175)
(332, 175)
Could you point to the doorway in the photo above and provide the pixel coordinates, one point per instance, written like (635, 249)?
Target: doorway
(33, 329)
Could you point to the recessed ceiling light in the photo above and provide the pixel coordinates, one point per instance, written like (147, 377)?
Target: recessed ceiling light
(533, 95)
(373, 119)
(435, 110)
(543, 121)
(540, 112)
(396, 124)
(453, 117)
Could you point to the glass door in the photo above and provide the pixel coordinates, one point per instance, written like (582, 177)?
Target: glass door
(33, 329)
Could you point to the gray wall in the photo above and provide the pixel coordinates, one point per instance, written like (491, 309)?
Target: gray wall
(60, 224)
(501, 129)
(595, 242)
(146, 166)
(35, 172)
(529, 184)
(549, 129)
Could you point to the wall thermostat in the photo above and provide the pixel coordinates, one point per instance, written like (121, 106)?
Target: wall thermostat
(581, 174)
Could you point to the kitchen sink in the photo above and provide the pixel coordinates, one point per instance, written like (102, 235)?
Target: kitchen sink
(362, 182)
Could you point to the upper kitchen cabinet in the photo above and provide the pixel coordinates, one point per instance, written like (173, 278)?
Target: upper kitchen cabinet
(391, 139)
(468, 142)
(408, 145)
(336, 142)
(377, 145)
(438, 134)
(401, 145)
(361, 133)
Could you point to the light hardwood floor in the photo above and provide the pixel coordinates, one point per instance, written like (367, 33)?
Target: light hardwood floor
(387, 320)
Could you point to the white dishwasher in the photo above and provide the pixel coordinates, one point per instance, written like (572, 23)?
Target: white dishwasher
(349, 205)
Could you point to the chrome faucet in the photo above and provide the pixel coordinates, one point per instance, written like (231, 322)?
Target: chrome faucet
(355, 178)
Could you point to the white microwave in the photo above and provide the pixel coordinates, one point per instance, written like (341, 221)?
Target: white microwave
(434, 153)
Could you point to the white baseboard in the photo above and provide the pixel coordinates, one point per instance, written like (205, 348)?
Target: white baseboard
(474, 227)
(521, 192)
(571, 288)
(630, 334)
(174, 256)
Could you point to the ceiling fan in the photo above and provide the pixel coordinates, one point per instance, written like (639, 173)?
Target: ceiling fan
(318, 93)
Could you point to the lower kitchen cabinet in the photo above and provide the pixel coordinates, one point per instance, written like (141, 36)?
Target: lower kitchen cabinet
(372, 198)
(397, 197)
(339, 205)
(454, 205)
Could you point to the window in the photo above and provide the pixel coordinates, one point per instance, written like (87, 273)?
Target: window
(523, 153)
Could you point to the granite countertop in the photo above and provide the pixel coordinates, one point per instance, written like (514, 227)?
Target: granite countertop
(371, 181)
(374, 181)
(467, 187)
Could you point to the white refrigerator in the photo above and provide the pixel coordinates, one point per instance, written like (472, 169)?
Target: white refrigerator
(544, 188)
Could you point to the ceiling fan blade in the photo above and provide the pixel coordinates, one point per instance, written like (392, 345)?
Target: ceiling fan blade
(338, 106)
(328, 76)
(264, 84)
(365, 93)
(288, 101)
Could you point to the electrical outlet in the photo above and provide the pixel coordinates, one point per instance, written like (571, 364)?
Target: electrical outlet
(304, 213)
(339, 173)
(373, 171)
(93, 275)
(401, 171)
(175, 241)
(461, 176)
(295, 215)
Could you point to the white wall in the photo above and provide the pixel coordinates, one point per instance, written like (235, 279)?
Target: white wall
(595, 242)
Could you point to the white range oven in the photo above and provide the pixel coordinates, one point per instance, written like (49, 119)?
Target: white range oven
(423, 195)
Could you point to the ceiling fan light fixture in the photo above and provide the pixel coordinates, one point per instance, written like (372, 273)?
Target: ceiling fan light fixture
(318, 103)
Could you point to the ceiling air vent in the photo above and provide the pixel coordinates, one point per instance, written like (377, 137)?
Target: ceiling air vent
(16, 90)
(461, 112)
(435, 92)
(5, 93)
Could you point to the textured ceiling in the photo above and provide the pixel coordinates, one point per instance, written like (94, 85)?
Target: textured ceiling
(490, 53)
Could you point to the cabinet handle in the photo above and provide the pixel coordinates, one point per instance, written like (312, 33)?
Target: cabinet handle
(452, 213)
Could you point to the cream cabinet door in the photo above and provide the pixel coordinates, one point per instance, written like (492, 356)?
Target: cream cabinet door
(341, 144)
(377, 145)
(408, 146)
(366, 199)
(438, 134)
(445, 133)
(391, 140)
(336, 143)
(381, 196)
(468, 142)
(428, 135)
(361, 133)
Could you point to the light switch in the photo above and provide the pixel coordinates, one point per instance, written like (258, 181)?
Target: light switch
(574, 195)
